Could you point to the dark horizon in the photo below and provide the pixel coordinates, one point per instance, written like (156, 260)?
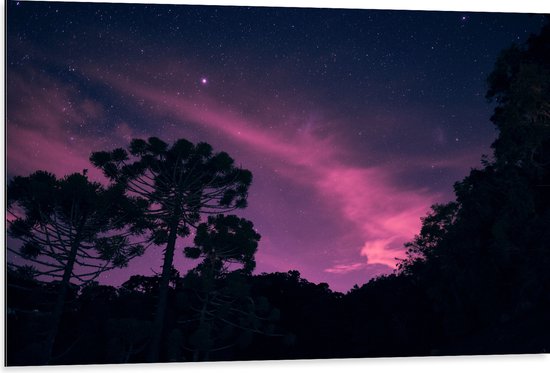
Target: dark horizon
(351, 127)
(224, 172)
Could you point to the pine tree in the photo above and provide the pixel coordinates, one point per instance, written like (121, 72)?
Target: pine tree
(71, 230)
(180, 183)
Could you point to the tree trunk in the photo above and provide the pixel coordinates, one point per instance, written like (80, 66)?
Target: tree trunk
(196, 354)
(60, 302)
(158, 323)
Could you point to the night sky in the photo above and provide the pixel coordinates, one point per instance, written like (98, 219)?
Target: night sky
(353, 122)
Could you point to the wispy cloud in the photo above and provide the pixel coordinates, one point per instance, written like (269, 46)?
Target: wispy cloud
(367, 202)
(345, 268)
(385, 214)
(51, 126)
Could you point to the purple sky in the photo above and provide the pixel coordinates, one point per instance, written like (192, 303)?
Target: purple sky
(351, 129)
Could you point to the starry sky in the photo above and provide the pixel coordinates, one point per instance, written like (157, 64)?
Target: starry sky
(353, 122)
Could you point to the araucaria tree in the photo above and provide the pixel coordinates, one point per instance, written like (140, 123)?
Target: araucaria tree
(224, 311)
(70, 230)
(181, 183)
(224, 241)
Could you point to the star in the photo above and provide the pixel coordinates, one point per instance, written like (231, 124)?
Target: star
(204, 81)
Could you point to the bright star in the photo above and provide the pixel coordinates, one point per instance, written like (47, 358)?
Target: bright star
(204, 81)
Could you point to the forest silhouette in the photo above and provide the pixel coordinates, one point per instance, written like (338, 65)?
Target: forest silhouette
(475, 279)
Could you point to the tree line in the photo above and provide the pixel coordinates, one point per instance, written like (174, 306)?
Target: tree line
(475, 279)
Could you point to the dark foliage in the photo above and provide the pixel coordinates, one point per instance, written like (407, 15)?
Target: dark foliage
(70, 230)
(482, 261)
(178, 184)
(475, 280)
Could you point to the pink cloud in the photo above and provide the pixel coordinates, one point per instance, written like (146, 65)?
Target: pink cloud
(303, 150)
(345, 268)
(125, 132)
(41, 102)
(384, 214)
(30, 150)
(369, 201)
(48, 127)
(381, 251)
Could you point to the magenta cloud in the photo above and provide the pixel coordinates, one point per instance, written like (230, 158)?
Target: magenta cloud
(384, 214)
(370, 212)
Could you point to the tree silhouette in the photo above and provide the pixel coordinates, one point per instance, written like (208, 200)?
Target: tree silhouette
(483, 259)
(475, 279)
(227, 245)
(221, 242)
(520, 85)
(71, 229)
(426, 245)
(180, 183)
(310, 321)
